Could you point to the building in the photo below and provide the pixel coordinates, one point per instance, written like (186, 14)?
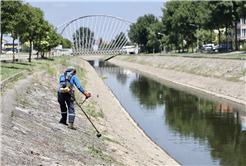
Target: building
(96, 44)
(241, 30)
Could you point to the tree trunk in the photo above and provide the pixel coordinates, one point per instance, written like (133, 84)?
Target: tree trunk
(187, 47)
(227, 50)
(236, 35)
(13, 48)
(219, 38)
(182, 43)
(192, 41)
(178, 44)
(30, 52)
(1, 43)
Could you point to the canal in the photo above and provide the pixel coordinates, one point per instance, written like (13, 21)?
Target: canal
(192, 128)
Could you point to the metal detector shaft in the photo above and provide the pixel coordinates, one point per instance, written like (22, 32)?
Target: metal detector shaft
(85, 114)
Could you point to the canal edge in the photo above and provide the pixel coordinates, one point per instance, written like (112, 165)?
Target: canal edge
(243, 102)
(135, 125)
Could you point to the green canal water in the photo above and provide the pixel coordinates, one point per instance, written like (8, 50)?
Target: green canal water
(193, 128)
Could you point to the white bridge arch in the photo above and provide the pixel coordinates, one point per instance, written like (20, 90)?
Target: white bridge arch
(96, 34)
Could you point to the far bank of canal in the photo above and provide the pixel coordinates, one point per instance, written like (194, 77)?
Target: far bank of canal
(194, 129)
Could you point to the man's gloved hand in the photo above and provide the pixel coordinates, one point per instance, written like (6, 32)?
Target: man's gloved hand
(87, 95)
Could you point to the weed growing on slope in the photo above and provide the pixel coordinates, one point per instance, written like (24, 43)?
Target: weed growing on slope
(99, 154)
(110, 140)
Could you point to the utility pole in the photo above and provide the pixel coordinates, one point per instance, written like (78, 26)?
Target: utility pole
(227, 36)
(18, 48)
(197, 35)
(162, 35)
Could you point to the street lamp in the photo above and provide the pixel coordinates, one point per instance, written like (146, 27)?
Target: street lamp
(197, 35)
(162, 35)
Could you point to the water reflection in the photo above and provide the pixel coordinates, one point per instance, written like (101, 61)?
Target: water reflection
(192, 129)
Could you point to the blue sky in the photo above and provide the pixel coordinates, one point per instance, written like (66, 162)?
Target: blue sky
(58, 12)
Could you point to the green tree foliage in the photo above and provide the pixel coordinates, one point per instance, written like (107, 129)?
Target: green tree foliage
(66, 43)
(222, 13)
(49, 40)
(40, 42)
(177, 17)
(118, 41)
(154, 39)
(83, 38)
(171, 17)
(34, 25)
(205, 36)
(26, 47)
(139, 33)
(8, 10)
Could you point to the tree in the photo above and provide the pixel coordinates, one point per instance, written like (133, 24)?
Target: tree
(138, 31)
(154, 39)
(40, 40)
(54, 39)
(34, 24)
(11, 17)
(170, 18)
(66, 43)
(83, 38)
(224, 14)
(16, 26)
(119, 41)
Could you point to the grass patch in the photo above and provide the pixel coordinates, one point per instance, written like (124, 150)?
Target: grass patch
(10, 69)
(104, 77)
(21, 99)
(99, 154)
(110, 140)
(52, 70)
(93, 113)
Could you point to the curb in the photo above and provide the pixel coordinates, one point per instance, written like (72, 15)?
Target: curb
(202, 57)
(10, 79)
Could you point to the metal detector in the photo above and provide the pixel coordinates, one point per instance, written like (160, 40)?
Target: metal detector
(98, 133)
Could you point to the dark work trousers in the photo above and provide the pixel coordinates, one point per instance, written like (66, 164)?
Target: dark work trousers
(64, 98)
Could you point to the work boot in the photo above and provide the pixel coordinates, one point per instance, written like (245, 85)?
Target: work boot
(70, 125)
(63, 122)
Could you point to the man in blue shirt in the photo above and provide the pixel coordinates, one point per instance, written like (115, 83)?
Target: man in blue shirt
(65, 97)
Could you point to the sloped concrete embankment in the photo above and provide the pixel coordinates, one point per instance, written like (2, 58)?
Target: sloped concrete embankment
(31, 134)
(224, 78)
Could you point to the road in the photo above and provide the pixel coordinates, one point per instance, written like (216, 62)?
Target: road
(9, 57)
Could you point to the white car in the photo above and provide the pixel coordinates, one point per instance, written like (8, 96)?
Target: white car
(10, 52)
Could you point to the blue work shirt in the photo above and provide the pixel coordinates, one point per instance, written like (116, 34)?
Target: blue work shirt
(73, 80)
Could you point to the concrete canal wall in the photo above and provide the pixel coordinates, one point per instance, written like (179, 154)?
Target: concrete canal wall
(223, 78)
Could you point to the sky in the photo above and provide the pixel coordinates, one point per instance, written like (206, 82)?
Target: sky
(59, 12)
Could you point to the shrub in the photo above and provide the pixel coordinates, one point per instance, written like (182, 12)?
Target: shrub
(244, 46)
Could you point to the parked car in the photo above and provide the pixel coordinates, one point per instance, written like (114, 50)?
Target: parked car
(212, 46)
(10, 52)
(222, 47)
(203, 47)
(216, 48)
(208, 47)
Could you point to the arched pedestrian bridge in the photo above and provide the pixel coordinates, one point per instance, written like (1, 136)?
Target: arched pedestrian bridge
(96, 34)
